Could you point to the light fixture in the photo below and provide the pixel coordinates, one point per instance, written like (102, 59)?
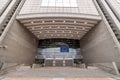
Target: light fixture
(32, 22)
(85, 23)
(51, 34)
(74, 21)
(43, 21)
(32, 28)
(3, 46)
(58, 27)
(38, 36)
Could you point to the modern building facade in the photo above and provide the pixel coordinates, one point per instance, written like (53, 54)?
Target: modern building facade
(77, 31)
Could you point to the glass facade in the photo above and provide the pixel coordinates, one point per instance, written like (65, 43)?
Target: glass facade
(59, 6)
(118, 1)
(59, 48)
(59, 3)
(56, 53)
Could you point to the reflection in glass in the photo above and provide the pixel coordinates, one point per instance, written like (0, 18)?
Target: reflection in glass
(59, 48)
(56, 53)
(59, 3)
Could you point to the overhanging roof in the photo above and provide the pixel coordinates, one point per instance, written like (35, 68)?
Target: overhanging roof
(49, 25)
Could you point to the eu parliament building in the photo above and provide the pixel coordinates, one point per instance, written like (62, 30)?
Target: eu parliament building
(60, 32)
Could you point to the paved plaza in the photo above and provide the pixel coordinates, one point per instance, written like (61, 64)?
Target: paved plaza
(58, 79)
(59, 73)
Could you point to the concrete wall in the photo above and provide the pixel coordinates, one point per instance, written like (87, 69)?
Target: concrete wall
(108, 67)
(98, 46)
(21, 45)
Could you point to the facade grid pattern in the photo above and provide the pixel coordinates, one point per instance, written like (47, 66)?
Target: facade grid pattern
(77, 6)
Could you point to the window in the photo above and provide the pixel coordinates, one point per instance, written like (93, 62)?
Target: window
(59, 3)
(118, 1)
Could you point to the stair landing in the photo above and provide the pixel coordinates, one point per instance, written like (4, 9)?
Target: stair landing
(58, 73)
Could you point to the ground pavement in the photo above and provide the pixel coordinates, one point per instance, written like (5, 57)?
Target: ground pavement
(59, 73)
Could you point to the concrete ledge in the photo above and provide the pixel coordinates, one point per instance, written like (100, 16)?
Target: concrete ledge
(37, 66)
(9, 67)
(108, 67)
(82, 66)
(48, 15)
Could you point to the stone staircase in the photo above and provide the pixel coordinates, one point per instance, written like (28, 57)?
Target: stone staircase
(60, 73)
(49, 63)
(59, 62)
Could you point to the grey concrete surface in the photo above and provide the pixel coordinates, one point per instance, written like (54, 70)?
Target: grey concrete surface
(59, 72)
(98, 46)
(21, 45)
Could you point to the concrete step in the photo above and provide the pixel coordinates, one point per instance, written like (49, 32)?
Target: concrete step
(48, 63)
(58, 63)
(68, 62)
(92, 67)
(37, 66)
(23, 67)
(58, 79)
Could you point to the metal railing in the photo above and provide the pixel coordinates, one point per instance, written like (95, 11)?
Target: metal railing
(58, 56)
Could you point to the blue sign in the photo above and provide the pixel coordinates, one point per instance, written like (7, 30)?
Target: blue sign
(64, 49)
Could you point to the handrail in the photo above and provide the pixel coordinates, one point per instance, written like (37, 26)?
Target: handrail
(56, 56)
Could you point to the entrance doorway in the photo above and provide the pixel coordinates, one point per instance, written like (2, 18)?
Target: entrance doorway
(59, 62)
(58, 52)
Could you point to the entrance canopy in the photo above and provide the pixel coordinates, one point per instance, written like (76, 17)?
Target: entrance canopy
(59, 49)
(70, 19)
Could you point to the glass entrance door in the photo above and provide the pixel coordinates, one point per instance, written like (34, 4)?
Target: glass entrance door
(57, 53)
(58, 49)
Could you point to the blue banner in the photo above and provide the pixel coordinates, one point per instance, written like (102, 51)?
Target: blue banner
(64, 49)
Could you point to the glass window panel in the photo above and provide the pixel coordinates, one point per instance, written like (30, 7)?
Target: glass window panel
(44, 4)
(52, 4)
(73, 1)
(66, 1)
(67, 4)
(118, 1)
(52, 1)
(73, 5)
(59, 3)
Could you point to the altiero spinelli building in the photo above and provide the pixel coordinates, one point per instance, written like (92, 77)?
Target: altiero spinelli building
(60, 32)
